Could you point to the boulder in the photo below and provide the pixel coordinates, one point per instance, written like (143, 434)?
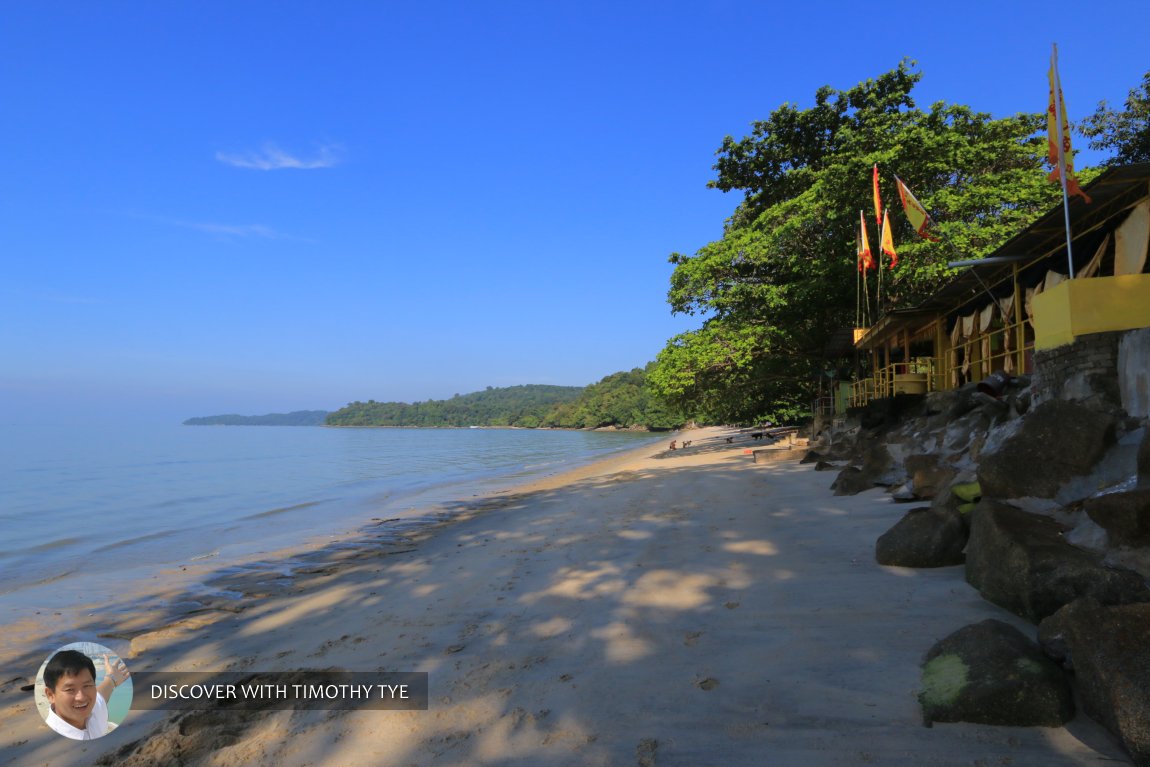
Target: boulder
(989, 673)
(928, 475)
(1125, 516)
(1020, 561)
(924, 537)
(874, 469)
(851, 481)
(1056, 440)
(1110, 657)
(1144, 459)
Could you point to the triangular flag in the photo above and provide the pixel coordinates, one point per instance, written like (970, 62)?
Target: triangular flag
(915, 213)
(877, 199)
(888, 241)
(1058, 133)
(866, 260)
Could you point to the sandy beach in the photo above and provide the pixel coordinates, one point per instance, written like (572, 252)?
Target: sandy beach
(659, 608)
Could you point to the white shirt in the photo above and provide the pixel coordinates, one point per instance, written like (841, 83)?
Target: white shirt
(97, 722)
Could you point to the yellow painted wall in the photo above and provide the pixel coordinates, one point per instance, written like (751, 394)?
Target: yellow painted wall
(1080, 307)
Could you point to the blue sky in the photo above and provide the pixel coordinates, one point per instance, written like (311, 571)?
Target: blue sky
(249, 207)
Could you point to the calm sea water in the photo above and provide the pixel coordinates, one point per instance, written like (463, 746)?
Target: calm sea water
(84, 507)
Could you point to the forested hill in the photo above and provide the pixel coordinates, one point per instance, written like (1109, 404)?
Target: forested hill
(296, 418)
(525, 406)
(621, 400)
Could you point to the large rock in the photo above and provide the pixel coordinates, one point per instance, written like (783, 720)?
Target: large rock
(1144, 459)
(1020, 561)
(929, 476)
(925, 537)
(1125, 516)
(874, 467)
(989, 673)
(1057, 440)
(1108, 650)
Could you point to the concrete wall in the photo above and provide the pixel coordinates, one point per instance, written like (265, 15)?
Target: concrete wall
(1076, 308)
(1134, 372)
(1085, 370)
(1105, 370)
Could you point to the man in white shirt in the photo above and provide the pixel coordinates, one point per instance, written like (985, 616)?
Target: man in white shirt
(78, 706)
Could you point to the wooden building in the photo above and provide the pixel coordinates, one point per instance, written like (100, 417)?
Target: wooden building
(998, 311)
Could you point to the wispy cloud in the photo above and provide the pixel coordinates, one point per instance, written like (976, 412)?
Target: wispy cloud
(271, 157)
(234, 230)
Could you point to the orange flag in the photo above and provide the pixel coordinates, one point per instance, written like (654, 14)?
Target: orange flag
(888, 241)
(877, 199)
(1058, 133)
(866, 260)
(915, 213)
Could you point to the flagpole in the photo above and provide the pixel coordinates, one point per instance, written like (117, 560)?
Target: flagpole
(1062, 156)
(858, 284)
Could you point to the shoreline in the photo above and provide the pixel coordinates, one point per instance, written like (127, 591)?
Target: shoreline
(124, 584)
(736, 606)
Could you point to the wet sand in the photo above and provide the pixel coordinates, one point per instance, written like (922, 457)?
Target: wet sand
(676, 608)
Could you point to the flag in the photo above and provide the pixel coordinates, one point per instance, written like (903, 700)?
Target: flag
(915, 213)
(1058, 133)
(888, 241)
(866, 260)
(877, 199)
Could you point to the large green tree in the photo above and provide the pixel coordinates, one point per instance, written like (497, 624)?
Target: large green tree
(1124, 132)
(781, 284)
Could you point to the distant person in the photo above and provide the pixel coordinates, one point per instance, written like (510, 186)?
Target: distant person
(78, 707)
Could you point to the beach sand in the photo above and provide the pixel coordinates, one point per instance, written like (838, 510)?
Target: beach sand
(676, 608)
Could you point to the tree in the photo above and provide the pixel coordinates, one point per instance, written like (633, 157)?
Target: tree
(1126, 133)
(782, 281)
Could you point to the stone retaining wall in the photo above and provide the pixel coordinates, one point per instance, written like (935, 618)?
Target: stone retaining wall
(1085, 371)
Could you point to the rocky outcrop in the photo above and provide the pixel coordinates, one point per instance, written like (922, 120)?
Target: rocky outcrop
(1020, 561)
(1107, 649)
(1056, 440)
(1125, 516)
(924, 537)
(989, 673)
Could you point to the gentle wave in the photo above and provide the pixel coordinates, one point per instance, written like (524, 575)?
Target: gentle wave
(283, 510)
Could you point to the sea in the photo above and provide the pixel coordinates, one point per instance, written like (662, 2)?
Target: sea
(91, 513)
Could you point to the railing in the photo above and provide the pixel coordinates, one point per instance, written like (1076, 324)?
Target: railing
(1001, 348)
(1004, 347)
(914, 377)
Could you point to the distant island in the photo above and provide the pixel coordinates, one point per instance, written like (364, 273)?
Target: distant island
(296, 418)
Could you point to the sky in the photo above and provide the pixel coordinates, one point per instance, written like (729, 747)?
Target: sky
(251, 207)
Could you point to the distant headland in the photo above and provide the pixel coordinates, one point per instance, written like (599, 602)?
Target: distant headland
(295, 418)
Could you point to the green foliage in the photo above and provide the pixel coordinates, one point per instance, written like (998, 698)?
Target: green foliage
(622, 400)
(1126, 133)
(522, 406)
(295, 418)
(779, 285)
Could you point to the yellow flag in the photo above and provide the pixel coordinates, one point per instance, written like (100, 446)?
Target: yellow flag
(915, 213)
(1058, 136)
(866, 260)
(888, 240)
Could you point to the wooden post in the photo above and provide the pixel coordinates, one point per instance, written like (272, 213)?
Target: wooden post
(1020, 330)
